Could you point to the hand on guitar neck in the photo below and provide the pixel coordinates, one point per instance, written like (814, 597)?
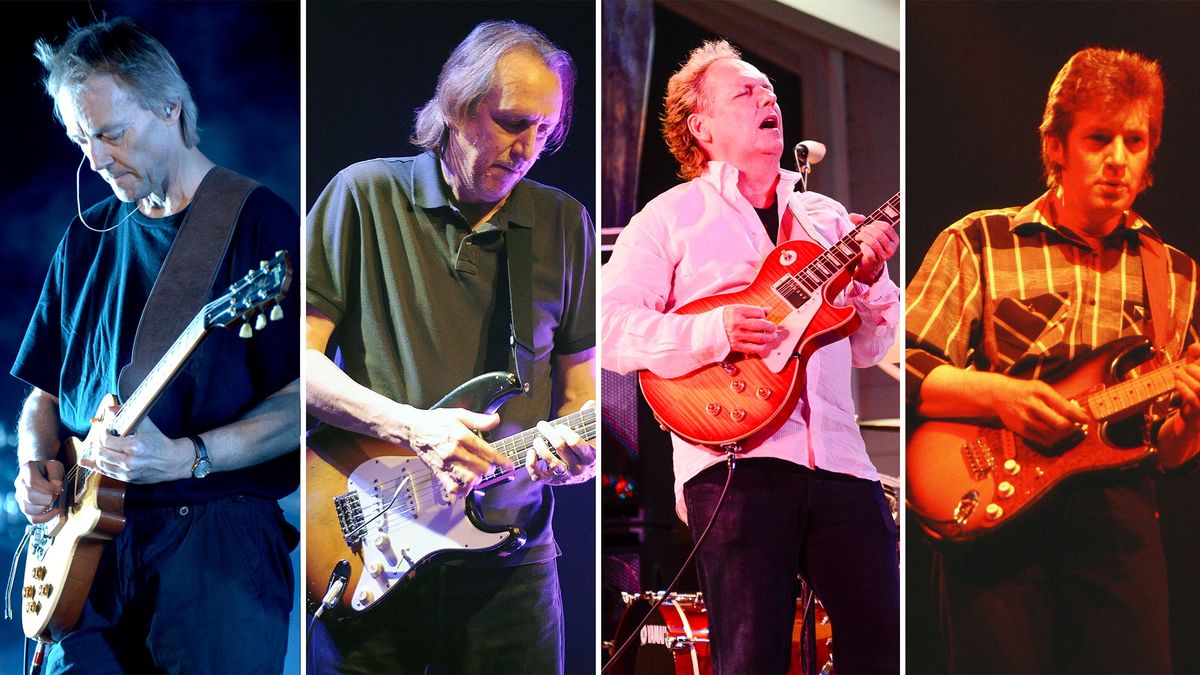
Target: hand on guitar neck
(879, 241)
(1179, 438)
(560, 456)
(144, 456)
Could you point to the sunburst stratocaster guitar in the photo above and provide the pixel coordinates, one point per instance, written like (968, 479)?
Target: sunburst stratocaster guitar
(725, 402)
(965, 480)
(63, 553)
(379, 508)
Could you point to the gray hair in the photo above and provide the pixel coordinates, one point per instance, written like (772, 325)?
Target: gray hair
(467, 76)
(120, 48)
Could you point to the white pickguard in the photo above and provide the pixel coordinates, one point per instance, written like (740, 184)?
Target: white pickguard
(422, 521)
(790, 330)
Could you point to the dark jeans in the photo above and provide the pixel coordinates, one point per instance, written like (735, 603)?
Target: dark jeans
(454, 619)
(779, 520)
(203, 588)
(1078, 587)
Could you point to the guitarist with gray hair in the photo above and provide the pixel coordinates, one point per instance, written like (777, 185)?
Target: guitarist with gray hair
(198, 578)
(426, 272)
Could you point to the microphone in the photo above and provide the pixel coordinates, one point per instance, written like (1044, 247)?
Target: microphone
(337, 583)
(809, 152)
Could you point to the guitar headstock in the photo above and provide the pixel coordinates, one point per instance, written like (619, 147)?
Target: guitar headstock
(249, 298)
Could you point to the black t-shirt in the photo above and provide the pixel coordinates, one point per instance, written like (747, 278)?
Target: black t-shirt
(82, 330)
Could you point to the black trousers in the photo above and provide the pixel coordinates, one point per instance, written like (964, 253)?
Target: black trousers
(1079, 586)
(454, 620)
(204, 588)
(779, 520)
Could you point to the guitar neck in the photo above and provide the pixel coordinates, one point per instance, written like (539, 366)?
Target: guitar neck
(837, 257)
(142, 399)
(582, 422)
(1126, 396)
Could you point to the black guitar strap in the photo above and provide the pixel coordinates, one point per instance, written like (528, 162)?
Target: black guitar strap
(519, 243)
(1162, 325)
(182, 287)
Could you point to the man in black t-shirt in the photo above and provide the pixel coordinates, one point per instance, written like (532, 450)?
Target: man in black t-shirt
(198, 580)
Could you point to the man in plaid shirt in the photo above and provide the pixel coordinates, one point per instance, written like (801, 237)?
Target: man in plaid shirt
(1007, 297)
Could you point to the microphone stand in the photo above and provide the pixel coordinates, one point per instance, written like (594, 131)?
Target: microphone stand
(802, 166)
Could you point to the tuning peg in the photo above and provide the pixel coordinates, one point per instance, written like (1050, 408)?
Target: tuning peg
(246, 331)
(262, 265)
(276, 313)
(260, 322)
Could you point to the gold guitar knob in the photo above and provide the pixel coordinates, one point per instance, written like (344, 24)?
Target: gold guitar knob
(365, 597)
(713, 409)
(994, 511)
(1006, 489)
(39, 573)
(46, 590)
(763, 393)
(376, 568)
(737, 386)
(33, 607)
(27, 592)
(1012, 467)
(737, 415)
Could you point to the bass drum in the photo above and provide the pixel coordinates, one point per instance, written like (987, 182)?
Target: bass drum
(676, 639)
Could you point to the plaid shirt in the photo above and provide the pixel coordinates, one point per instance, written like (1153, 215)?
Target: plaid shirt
(1008, 291)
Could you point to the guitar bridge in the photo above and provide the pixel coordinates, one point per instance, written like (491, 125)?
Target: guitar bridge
(350, 517)
(979, 457)
(39, 541)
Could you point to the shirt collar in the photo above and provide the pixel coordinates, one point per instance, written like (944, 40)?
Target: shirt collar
(430, 191)
(1037, 215)
(724, 177)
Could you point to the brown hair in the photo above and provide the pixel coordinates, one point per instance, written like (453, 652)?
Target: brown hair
(1100, 79)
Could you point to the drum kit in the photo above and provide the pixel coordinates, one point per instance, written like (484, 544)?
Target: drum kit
(676, 640)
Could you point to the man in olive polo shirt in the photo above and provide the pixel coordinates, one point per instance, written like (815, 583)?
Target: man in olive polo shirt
(408, 273)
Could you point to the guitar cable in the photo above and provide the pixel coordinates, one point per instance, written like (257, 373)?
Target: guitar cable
(12, 573)
(730, 462)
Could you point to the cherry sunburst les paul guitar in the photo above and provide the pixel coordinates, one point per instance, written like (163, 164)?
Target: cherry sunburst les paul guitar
(722, 403)
(63, 554)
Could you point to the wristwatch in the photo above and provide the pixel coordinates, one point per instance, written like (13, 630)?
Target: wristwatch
(202, 466)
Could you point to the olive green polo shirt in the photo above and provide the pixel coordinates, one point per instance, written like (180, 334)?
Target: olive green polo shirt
(420, 302)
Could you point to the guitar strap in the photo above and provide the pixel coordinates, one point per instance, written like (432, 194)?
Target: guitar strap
(182, 287)
(519, 243)
(1161, 327)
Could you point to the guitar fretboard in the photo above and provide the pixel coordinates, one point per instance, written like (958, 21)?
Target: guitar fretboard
(799, 287)
(1123, 397)
(134, 408)
(582, 422)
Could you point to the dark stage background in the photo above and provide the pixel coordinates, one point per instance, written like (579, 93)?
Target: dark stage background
(370, 65)
(242, 61)
(977, 77)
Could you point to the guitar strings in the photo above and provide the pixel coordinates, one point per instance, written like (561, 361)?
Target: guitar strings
(515, 445)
